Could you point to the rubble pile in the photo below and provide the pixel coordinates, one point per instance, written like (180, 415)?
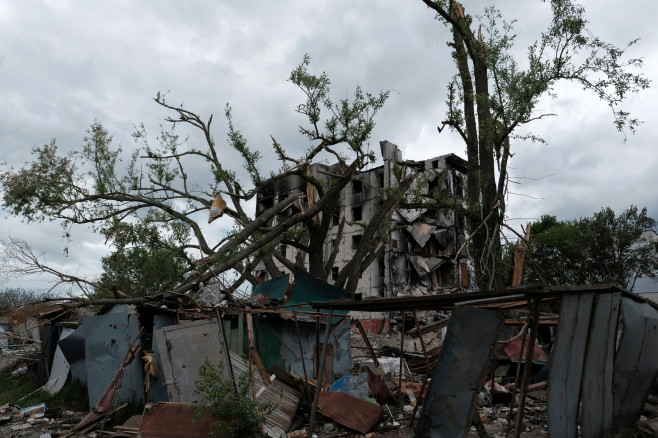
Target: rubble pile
(527, 363)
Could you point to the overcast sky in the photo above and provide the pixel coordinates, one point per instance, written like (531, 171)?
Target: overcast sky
(64, 64)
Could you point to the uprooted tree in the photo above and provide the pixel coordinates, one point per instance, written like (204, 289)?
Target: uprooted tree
(150, 209)
(492, 95)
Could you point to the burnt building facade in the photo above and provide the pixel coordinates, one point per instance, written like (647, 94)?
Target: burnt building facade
(420, 255)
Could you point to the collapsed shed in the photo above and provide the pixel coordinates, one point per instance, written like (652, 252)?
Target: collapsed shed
(595, 381)
(278, 331)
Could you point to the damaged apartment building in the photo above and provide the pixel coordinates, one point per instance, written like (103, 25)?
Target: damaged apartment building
(419, 257)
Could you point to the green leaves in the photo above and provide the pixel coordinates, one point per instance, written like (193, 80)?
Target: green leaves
(604, 248)
(42, 188)
(237, 414)
(349, 121)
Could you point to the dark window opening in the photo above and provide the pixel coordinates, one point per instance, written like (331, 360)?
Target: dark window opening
(380, 179)
(357, 187)
(459, 187)
(394, 244)
(414, 278)
(435, 164)
(356, 240)
(433, 187)
(282, 249)
(334, 273)
(335, 220)
(382, 268)
(357, 213)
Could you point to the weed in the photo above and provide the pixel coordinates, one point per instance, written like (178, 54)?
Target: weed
(236, 413)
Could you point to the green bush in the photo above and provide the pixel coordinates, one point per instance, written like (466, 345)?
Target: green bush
(237, 414)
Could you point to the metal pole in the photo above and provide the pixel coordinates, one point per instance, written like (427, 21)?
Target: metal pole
(528, 364)
(367, 342)
(404, 317)
(318, 386)
(427, 371)
(301, 351)
(516, 381)
(227, 353)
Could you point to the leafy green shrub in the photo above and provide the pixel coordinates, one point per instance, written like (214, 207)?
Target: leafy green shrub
(237, 414)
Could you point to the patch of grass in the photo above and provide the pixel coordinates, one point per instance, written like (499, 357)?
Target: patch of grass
(22, 392)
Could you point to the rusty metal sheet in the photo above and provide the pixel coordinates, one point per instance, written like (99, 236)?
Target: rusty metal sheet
(175, 420)
(596, 405)
(459, 373)
(564, 380)
(636, 363)
(350, 411)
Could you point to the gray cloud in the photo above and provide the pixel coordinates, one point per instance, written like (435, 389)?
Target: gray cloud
(65, 64)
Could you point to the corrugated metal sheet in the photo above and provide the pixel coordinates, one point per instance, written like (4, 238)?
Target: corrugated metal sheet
(636, 364)
(275, 288)
(459, 373)
(308, 288)
(565, 377)
(596, 402)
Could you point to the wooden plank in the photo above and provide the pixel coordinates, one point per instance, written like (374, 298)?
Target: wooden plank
(636, 363)
(564, 381)
(459, 373)
(253, 353)
(597, 403)
(240, 349)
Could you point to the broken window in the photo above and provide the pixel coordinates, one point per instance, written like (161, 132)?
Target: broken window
(382, 268)
(433, 187)
(335, 220)
(334, 273)
(357, 187)
(459, 186)
(356, 240)
(357, 213)
(282, 249)
(394, 244)
(435, 164)
(380, 179)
